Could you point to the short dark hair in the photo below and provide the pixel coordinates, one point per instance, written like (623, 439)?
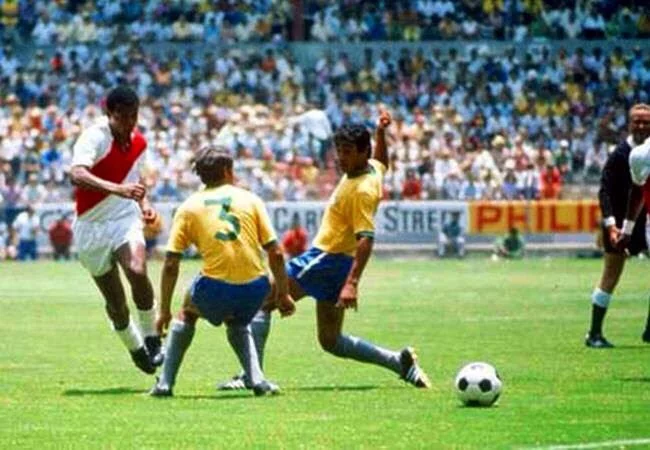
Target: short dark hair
(121, 97)
(356, 135)
(211, 164)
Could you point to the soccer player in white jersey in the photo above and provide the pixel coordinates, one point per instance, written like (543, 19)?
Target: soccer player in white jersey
(108, 230)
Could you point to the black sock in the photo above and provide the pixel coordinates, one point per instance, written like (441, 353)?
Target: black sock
(647, 321)
(597, 317)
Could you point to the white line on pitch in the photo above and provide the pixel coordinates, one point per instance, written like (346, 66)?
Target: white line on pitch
(592, 444)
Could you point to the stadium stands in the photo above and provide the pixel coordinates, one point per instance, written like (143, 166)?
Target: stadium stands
(473, 120)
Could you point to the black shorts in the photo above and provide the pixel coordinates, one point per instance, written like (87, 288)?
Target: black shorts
(637, 243)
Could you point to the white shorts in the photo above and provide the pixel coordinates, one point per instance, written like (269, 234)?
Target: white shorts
(97, 241)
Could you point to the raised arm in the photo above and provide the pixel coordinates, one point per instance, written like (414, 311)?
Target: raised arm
(381, 149)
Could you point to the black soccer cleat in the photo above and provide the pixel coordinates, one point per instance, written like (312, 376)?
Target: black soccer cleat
(141, 359)
(411, 372)
(597, 341)
(154, 348)
(645, 337)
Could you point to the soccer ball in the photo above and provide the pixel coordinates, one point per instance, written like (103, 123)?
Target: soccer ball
(478, 384)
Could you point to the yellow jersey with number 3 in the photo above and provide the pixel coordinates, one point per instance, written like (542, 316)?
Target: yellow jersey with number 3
(229, 226)
(350, 212)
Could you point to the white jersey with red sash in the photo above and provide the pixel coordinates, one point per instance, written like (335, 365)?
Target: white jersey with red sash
(97, 150)
(105, 222)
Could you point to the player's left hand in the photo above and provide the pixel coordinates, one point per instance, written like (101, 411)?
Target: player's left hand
(148, 214)
(286, 305)
(348, 297)
(385, 119)
(623, 241)
(162, 322)
(613, 234)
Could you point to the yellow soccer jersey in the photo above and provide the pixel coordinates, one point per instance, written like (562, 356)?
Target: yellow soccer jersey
(229, 226)
(351, 211)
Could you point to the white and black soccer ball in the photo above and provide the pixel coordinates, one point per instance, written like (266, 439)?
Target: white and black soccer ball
(478, 384)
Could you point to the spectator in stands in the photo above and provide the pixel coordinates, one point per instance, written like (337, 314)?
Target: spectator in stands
(412, 186)
(166, 191)
(33, 192)
(563, 160)
(595, 160)
(550, 181)
(451, 238)
(511, 246)
(7, 249)
(27, 227)
(60, 233)
(529, 182)
(509, 188)
(294, 240)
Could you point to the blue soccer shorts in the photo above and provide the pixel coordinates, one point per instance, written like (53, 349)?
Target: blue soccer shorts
(321, 275)
(218, 300)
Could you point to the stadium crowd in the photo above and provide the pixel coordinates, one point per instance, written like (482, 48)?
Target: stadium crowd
(480, 123)
(467, 126)
(235, 21)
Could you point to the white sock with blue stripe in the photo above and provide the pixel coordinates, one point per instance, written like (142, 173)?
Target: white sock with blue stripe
(356, 348)
(180, 338)
(241, 341)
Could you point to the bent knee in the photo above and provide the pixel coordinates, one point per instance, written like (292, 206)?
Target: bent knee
(137, 270)
(328, 342)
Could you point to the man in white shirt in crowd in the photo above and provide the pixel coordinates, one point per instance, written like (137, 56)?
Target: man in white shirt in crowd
(27, 226)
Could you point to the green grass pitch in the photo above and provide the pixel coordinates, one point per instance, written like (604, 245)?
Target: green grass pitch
(67, 382)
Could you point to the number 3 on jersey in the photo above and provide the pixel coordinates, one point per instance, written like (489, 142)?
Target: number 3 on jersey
(226, 216)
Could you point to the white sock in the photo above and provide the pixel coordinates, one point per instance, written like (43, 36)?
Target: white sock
(131, 337)
(147, 318)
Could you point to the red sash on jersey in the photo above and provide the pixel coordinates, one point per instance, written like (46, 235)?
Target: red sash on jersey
(113, 167)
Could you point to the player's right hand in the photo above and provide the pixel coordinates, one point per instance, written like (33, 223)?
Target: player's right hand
(622, 241)
(613, 233)
(133, 191)
(286, 305)
(162, 322)
(384, 119)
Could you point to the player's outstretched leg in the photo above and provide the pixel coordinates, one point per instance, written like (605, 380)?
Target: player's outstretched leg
(241, 341)
(180, 338)
(112, 290)
(404, 363)
(260, 327)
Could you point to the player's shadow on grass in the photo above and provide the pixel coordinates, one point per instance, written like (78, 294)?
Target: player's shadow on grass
(217, 396)
(636, 379)
(341, 388)
(630, 347)
(107, 391)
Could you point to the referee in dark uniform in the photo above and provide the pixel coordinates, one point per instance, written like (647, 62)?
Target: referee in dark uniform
(615, 185)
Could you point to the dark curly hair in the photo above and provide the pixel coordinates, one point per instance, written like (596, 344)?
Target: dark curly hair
(353, 134)
(121, 97)
(211, 164)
